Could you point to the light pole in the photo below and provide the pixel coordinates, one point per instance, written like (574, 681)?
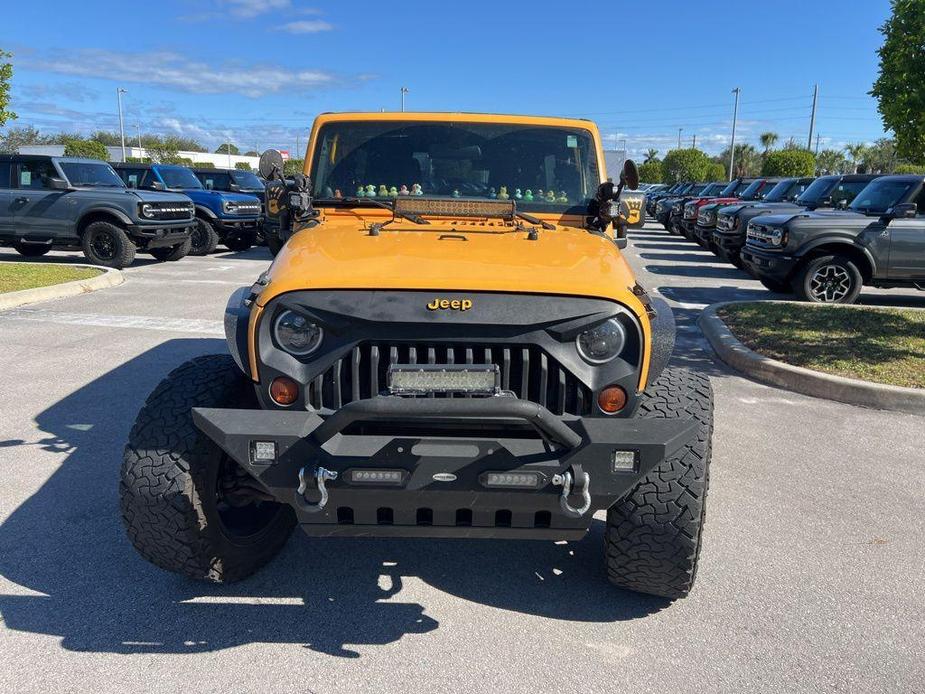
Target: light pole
(812, 118)
(229, 154)
(404, 90)
(732, 147)
(119, 92)
(679, 137)
(138, 133)
(624, 150)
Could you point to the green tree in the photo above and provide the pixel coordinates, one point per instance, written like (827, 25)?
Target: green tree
(831, 161)
(856, 152)
(715, 171)
(6, 75)
(685, 165)
(789, 162)
(251, 153)
(880, 157)
(293, 166)
(243, 166)
(14, 138)
(747, 160)
(768, 140)
(917, 169)
(79, 147)
(900, 87)
(651, 155)
(227, 148)
(651, 172)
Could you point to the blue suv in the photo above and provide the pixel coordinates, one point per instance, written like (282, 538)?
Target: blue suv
(222, 217)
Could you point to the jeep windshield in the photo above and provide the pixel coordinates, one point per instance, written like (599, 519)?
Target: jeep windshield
(92, 175)
(247, 180)
(880, 195)
(179, 177)
(543, 168)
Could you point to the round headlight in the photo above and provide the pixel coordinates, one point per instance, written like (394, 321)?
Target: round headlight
(147, 210)
(602, 343)
(296, 334)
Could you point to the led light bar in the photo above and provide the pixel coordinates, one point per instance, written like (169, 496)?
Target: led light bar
(455, 207)
(513, 480)
(377, 476)
(416, 379)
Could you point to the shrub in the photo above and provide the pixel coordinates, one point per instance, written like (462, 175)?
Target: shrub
(85, 148)
(910, 169)
(243, 166)
(651, 172)
(685, 165)
(789, 162)
(715, 172)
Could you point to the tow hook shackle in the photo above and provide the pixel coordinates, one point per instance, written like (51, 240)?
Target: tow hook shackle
(320, 475)
(582, 481)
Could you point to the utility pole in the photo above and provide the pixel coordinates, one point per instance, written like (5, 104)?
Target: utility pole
(679, 137)
(229, 153)
(694, 145)
(404, 90)
(812, 118)
(119, 92)
(817, 144)
(138, 133)
(732, 147)
(624, 150)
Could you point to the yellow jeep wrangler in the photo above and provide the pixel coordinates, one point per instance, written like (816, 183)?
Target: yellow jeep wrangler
(450, 344)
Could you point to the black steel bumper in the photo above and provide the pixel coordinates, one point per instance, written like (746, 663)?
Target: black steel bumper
(772, 265)
(703, 235)
(729, 242)
(686, 226)
(161, 234)
(444, 490)
(233, 228)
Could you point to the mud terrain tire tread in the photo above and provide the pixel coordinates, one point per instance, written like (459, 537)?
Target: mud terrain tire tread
(124, 253)
(653, 535)
(168, 464)
(207, 236)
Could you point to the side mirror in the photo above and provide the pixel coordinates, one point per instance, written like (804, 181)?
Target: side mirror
(157, 185)
(841, 205)
(55, 183)
(906, 210)
(209, 185)
(271, 164)
(630, 175)
(234, 187)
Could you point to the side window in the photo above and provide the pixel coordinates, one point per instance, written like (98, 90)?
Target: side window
(132, 177)
(920, 201)
(34, 174)
(4, 174)
(848, 190)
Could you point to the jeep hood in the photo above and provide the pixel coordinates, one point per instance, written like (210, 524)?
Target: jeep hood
(452, 257)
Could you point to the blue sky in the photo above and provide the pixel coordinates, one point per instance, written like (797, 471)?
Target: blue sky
(257, 71)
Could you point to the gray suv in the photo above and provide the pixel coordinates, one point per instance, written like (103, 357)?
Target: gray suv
(71, 203)
(827, 257)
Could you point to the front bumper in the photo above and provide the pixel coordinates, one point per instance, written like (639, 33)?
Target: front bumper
(160, 234)
(703, 235)
(443, 490)
(729, 242)
(773, 265)
(232, 228)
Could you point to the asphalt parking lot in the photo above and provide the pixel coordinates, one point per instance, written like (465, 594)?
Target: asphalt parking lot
(811, 577)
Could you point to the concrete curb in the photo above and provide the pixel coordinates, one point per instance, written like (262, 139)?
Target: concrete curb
(108, 278)
(820, 385)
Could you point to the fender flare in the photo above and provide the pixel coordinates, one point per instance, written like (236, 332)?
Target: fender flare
(205, 211)
(831, 240)
(105, 209)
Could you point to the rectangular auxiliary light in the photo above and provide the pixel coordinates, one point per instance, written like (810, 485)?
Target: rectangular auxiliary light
(263, 452)
(455, 207)
(377, 476)
(512, 480)
(422, 379)
(623, 461)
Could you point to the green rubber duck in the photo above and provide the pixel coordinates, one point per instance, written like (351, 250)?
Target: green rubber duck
(528, 196)
(393, 192)
(370, 191)
(518, 195)
(550, 196)
(502, 193)
(361, 192)
(563, 197)
(383, 191)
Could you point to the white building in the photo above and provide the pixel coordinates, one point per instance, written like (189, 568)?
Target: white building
(221, 161)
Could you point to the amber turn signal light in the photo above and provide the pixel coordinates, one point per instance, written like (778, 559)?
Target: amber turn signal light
(612, 399)
(284, 390)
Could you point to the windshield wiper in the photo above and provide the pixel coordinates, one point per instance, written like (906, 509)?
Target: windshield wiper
(535, 220)
(411, 217)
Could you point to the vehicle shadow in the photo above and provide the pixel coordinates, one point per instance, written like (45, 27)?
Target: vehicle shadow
(705, 271)
(684, 257)
(83, 583)
(74, 258)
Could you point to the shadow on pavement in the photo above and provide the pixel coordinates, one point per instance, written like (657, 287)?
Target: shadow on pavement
(705, 271)
(702, 257)
(66, 543)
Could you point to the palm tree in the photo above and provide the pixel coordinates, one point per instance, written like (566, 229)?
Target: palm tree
(856, 152)
(768, 140)
(651, 155)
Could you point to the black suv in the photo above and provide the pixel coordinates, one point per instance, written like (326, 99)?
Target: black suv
(72, 203)
(821, 193)
(827, 257)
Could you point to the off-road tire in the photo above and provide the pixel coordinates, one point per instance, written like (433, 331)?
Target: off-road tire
(775, 286)
(31, 250)
(119, 250)
(841, 266)
(653, 535)
(173, 253)
(204, 238)
(169, 473)
(274, 244)
(238, 245)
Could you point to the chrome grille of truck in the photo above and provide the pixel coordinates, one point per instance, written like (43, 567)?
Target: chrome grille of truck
(526, 370)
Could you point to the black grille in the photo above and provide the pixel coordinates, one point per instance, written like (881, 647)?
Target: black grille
(526, 370)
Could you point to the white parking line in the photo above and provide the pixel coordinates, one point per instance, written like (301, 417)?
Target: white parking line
(179, 325)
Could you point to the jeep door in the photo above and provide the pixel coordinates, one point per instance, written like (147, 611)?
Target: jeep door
(907, 245)
(6, 199)
(39, 212)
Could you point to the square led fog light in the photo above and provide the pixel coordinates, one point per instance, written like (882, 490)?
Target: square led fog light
(623, 461)
(263, 452)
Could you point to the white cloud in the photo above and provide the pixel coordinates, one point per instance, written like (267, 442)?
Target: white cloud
(309, 26)
(178, 72)
(247, 9)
